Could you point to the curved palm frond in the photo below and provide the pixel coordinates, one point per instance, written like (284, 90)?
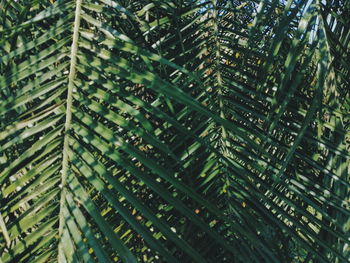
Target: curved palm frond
(174, 131)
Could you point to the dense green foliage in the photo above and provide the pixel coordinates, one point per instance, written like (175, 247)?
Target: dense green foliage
(174, 131)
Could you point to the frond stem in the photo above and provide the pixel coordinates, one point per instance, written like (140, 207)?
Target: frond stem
(218, 73)
(71, 76)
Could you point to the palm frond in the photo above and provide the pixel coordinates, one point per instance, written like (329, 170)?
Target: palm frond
(174, 131)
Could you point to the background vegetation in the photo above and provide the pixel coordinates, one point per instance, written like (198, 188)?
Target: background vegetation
(174, 131)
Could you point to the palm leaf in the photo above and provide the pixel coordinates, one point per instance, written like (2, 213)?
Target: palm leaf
(174, 131)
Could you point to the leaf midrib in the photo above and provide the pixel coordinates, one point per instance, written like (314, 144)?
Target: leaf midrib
(71, 76)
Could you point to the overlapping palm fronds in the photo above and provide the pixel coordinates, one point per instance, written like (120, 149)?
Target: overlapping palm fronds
(174, 131)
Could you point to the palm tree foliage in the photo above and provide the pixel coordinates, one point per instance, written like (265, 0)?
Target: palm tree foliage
(174, 131)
